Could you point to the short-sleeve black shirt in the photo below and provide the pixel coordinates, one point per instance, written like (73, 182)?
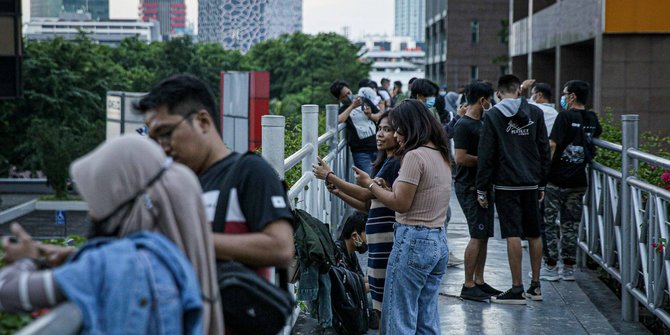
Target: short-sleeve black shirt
(466, 136)
(563, 133)
(261, 198)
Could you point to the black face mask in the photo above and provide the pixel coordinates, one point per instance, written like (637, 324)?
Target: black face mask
(347, 100)
(98, 226)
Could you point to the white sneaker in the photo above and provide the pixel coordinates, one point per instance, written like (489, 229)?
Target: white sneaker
(549, 273)
(453, 260)
(568, 274)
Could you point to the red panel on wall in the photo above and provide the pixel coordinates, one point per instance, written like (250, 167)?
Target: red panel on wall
(257, 108)
(259, 84)
(259, 105)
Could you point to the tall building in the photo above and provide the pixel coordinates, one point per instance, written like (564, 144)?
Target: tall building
(410, 18)
(622, 49)
(45, 8)
(238, 24)
(465, 40)
(99, 9)
(170, 13)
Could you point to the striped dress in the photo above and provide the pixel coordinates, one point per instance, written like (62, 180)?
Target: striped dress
(379, 231)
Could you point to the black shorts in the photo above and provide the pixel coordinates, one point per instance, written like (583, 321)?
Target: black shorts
(519, 213)
(480, 220)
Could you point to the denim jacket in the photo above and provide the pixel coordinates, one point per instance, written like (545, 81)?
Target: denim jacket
(141, 284)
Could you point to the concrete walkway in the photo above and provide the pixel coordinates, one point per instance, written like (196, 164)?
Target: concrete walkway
(584, 306)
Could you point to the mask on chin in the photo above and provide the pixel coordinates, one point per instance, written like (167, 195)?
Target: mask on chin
(361, 247)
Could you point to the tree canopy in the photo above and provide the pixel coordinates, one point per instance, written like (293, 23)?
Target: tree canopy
(62, 113)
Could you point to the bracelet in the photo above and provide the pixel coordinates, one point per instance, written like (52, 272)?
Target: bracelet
(370, 186)
(328, 174)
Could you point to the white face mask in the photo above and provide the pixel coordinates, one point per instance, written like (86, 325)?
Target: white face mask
(487, 109)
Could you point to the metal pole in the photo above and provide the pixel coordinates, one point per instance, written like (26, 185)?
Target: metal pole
(310, 135)
(272, 141)
(629, 306)
(272, 144)
(530, 39)
(331, 125)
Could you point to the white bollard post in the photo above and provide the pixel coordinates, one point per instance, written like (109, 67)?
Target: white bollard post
(310, 135)
(272, 142)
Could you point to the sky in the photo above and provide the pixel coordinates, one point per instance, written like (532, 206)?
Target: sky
(373, 17)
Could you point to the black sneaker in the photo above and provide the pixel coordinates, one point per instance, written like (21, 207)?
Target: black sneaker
(486, 288)
(474, 293)
(510, 298)
(534, 293)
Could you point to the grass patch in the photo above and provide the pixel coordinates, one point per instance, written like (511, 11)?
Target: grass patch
(53, 197)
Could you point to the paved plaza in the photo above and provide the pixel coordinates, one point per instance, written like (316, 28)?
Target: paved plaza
(584, 306)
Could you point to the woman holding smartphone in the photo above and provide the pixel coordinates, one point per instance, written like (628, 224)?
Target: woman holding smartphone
(419, 196)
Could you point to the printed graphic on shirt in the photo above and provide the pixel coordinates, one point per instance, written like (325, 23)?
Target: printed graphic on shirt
(515, 129)
(210, 199)
(573, 154)
(278, 201)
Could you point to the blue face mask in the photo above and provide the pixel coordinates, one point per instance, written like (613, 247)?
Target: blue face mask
(430, 102)
(564, 103)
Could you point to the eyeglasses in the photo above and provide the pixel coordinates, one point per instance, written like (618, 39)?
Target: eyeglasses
(164, 137)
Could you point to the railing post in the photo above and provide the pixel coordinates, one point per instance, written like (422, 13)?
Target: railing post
(272, 141)
(629, 306)
(331, 125)
(272, 144)
(310, 135)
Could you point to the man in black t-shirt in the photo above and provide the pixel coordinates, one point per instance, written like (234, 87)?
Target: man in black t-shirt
(180, 114)
(480, 220)
(570, 151)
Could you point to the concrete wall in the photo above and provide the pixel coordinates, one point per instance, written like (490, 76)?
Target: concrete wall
(636, 78)
(462, 53)
(577, 63)
(561, 23)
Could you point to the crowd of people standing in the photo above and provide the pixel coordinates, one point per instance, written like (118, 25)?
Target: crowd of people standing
(167, 211)
(508, 151)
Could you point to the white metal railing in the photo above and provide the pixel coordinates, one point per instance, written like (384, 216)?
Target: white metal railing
(308, 193)
(623, 216)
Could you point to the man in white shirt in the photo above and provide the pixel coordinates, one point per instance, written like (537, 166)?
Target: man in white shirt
(540, 97)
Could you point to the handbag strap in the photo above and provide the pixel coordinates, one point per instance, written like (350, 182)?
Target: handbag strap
(219, 223)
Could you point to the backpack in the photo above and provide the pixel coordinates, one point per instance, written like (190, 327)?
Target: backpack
(251, 304)
(349, 301)
(581, 150)
(314, 245)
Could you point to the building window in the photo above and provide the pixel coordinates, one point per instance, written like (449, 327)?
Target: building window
(474, 72)
(474, 32)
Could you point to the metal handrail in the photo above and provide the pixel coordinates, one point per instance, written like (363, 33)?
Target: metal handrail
(308, 193)
(66, 319)
(649, 158)
(297, 156)
(623, 217)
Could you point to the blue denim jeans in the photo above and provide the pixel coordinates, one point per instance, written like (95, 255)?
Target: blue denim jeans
(364, 159)
(416, 266)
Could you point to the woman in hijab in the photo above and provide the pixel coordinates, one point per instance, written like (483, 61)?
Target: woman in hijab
(133, 192)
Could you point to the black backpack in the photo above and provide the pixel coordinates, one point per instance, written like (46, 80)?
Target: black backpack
(349, 301)
(251, 304)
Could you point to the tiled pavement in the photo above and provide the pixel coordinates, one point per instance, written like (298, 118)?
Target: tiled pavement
(584, 306)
